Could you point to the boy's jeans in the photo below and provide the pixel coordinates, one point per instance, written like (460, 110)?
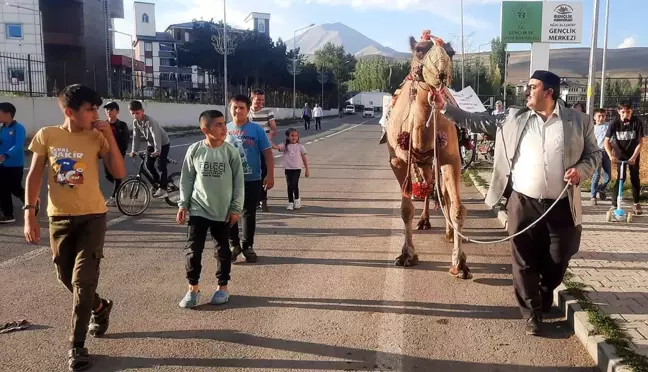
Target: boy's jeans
(197, 234)
(606, 166)
(248, 217)
(77, 247)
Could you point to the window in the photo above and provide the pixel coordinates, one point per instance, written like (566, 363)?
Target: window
(166, 47)
(168, 62)
(148, 46)
(145, 18)
(186, 35)
(16, 75)
(149, 62)
(14, 31)
(185, 77)
(261, 26)
(164, 76)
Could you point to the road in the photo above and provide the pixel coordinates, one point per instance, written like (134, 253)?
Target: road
(323, 296)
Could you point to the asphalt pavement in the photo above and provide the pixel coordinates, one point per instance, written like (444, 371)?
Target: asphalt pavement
(324, 294)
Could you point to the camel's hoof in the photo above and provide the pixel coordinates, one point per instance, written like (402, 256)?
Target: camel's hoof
(463, 273)
(424, 225)
(449, 237)
(406, 261)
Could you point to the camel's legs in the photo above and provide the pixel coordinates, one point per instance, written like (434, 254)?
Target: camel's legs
(408, 256)
(424, 221)
(457, 214)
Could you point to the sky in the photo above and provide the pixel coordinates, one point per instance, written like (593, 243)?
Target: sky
(391, 22)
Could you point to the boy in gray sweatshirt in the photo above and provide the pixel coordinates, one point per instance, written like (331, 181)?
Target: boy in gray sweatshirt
(158, 145)
(211, 195)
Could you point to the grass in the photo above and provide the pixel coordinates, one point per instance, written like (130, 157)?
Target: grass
(586, 186)
(606, 326)
(478, 180)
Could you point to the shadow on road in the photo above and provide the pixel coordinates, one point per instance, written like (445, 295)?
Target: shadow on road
(353, 359)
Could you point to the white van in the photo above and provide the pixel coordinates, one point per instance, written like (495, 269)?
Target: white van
(368, 112)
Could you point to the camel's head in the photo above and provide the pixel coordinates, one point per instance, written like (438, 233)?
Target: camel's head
(432, 60)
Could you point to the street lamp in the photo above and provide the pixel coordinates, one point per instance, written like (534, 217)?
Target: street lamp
(605, 45)
(591, 78)
(132, 58)
(295, 66)
(478, 64)
(40, 18)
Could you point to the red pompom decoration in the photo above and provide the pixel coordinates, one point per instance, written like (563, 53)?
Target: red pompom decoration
(403, 140)
(420, 189)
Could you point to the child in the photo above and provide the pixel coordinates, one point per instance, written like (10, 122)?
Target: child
(158, 144)
(627, 133)
(77, 211)
(600, 130)
(211, 193)
(12, 161)
(294, 159)
(120, 131)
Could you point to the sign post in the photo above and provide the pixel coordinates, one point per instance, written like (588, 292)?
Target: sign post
(541, 23)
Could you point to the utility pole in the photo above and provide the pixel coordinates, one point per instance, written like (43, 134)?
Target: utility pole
(605, 45)
(463, 50)
(592, 60)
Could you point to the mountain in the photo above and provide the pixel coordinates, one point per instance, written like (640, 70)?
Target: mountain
(340, 34)
(570, 63)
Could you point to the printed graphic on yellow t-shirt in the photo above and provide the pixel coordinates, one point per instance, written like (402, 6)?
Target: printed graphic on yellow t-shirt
(73, 180)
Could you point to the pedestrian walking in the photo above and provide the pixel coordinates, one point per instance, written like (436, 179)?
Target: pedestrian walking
(211, 197)
(294, 157)
(12, 161)
(120, 132)
(158, 146)
(598, 186)
(538, 150)
(306, 115)
(317, 114)
(264, 116)
(623, 144)
(252, 143)
(76, 210)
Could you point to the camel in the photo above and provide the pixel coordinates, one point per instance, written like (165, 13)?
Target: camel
(411, 140)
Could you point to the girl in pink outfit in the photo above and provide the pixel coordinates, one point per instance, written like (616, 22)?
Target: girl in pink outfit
(294, 155)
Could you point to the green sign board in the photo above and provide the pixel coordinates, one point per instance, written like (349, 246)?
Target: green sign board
(521, 21)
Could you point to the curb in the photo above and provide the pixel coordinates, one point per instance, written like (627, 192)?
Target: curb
(603, 354)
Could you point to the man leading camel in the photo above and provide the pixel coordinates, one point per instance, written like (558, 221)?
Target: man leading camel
(539, 149)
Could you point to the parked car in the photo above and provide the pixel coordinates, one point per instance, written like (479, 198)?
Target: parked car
(350, 109)
(368, 112)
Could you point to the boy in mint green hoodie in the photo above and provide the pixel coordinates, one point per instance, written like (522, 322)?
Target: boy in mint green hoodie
(211, 196)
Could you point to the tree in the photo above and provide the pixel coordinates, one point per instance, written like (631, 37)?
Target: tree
(497, 64)
(341, 64)
(371, 74)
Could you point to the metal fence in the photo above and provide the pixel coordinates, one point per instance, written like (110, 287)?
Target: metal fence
(26, 75)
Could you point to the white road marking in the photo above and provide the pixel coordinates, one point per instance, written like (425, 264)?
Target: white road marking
(392, 325)
(42, 250)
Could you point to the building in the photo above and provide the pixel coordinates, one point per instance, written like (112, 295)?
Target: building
(21, 47)
(573, 92)
(79, 51)
(369, 99)
(158, 51)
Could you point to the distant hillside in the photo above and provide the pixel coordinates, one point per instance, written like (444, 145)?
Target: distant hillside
(569, 63)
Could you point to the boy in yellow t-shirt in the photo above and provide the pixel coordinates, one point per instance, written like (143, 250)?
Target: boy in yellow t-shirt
(76, 207)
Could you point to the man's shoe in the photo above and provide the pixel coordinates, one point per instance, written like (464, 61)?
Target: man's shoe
(99, 321)
(250, 255)
(220, 298)
(298, 204)
(7, 219)
(547, 301)
(236, 251)
(190, 300)
(110, 202)
(160, 194)
(637, 209)
(602, 195)
(264, 206)
(593, 202)
(533, 326)
(79, 360)
(291, 206)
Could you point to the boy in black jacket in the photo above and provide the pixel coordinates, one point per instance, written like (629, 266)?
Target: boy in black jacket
(121, 132)
(623, 144)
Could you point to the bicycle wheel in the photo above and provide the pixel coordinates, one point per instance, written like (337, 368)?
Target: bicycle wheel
(133, 197)
(173, 189)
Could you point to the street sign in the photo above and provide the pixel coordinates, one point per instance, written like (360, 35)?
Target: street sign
(542, 21)
(468, 100)
(562, 22)
(521, 21)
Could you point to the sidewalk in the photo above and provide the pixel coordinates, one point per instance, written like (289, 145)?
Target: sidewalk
(613, 263)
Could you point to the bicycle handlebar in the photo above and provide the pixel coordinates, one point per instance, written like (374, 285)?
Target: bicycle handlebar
(145, 154)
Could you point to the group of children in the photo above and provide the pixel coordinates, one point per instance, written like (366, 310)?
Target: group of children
(221, 181)
(621, 139)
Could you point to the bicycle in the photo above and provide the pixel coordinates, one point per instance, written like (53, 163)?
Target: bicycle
(140, 184)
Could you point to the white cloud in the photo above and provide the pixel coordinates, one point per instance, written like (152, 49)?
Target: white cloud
(628, 42)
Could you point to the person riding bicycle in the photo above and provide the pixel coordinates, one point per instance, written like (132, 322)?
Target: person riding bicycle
(158, 145)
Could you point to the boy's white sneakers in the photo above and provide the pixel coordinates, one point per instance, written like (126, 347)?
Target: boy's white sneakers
(298, 203)
(291, 206)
